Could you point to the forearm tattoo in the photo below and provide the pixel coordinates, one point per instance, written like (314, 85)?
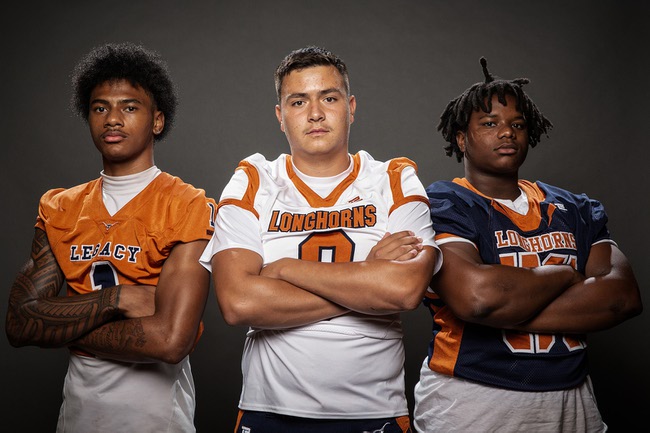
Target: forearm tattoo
(38, 316)
(116, 337)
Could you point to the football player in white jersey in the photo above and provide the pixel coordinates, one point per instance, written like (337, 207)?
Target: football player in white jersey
(126, 246)
(318, 252)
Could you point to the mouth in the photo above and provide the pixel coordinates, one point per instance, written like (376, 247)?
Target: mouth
(113, 136)
(507, 149)
(317, 132)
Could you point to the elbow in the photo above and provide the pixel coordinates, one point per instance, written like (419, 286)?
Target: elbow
(14, 339)
(14, 329)
(175, 350)
(628, 304)
(236, 313)
(628, 309)
(471, 306)
(410, 302)
(408, 297)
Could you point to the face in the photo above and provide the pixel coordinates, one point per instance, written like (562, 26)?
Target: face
(496, 143)
(315, 114)
(123, 122)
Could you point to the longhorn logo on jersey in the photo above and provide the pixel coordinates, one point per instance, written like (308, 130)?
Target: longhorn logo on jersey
(356, 217)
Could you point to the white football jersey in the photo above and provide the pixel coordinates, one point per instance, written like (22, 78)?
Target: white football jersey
(351, 366)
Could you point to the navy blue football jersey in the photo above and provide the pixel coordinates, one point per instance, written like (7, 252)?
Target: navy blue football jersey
(559, 228)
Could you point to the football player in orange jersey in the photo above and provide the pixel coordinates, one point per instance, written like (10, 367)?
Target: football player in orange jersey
(126, 246)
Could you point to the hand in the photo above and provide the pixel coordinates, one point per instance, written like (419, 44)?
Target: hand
(137, 301)
(400, 246)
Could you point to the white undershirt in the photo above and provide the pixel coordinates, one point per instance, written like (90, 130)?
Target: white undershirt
(519, 205)
(119, 190)
(323, 186)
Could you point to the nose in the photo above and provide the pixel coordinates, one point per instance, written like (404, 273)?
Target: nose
(113, 118)
(316, 112)
(507, 131)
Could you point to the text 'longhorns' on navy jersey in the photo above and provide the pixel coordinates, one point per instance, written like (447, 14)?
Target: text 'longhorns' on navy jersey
(559, 228)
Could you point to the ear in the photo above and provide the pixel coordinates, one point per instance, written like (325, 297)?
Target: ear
(158, 122)
(278, 115)
(352, 101)
(460, 139)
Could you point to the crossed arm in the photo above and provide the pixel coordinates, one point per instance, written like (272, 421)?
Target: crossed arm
(128, 323)
(292, 292)
(552, 298)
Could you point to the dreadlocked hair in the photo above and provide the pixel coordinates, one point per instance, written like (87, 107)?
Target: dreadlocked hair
(479, 97)
(125, 61)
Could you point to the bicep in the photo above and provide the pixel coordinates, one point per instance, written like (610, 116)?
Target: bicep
(606, 259)
(183, 287)
(460, 265)
(40, 276)
(231, 267)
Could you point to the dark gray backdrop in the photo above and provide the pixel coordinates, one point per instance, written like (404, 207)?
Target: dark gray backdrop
(588, 65)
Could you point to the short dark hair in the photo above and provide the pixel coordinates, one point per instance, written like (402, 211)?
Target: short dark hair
(479, 97)
(308, 57)
(125, 61)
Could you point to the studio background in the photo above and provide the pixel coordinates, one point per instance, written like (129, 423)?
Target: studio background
(588, 65)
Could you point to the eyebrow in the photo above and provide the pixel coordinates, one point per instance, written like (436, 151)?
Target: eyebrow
(320, 93)
(491, 116)
(121, 101)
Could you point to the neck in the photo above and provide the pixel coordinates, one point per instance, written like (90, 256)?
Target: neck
(503, 187)
(112, 168)
(321, 167)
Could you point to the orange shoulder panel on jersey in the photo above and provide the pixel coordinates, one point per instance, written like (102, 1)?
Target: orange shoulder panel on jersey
(314, 199)
(395, 168)
(248, 200)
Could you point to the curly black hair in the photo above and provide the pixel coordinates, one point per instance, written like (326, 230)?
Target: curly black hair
(479, 97)
(128, 61)
(307, 57)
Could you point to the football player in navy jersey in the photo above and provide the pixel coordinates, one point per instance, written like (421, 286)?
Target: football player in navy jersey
(508, 351)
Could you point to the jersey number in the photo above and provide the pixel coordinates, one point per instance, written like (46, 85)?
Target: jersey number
(521, 342)
(103, 275)
(334, 246)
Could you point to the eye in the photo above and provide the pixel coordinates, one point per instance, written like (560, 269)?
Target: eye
(130, 108)
(297, 103)
(330, 99)
(488, 123)
(98, 109)
(520, 126)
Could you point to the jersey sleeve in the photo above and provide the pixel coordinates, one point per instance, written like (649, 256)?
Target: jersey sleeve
(411, 210)
(45, 207)
(451, 215)
(405, 186)
(196, 221)
(598, 226)
(235, 228)
(237, 222)
(591, 212)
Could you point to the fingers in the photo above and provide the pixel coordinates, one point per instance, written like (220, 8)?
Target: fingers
(401, 246)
